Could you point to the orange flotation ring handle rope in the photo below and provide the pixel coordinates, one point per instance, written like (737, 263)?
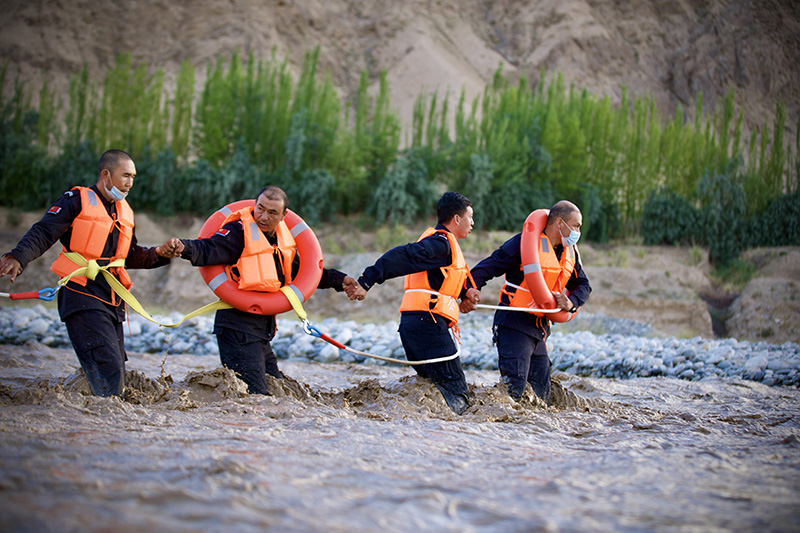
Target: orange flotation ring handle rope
(265, 303)
(532, 268)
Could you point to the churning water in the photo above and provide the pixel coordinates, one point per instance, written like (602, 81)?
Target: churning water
(344, 447)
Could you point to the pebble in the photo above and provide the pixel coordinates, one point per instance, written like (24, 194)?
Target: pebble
(589, 345)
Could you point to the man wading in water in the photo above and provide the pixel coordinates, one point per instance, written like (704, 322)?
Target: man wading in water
(520, 336)
(435, 272)
(90, 309)
(244, 338)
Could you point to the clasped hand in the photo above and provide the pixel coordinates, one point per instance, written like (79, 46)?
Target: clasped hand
(172, 248)
(468, 303)
(353, 289)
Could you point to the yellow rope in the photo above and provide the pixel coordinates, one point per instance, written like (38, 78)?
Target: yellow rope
(295, 301)
(90, 269)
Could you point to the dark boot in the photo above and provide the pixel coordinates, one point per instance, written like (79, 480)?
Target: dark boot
(457, 401)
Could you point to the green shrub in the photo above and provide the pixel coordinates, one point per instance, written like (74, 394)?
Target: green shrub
(406, 192)
(509, 205)
(76, 165)
(199, 182)
(668, 218)
(722, 212)
(310, 195)
(22, 166)
(607, 225)
(478, 186)
(238, 179)
(154, 187)
(778, 224)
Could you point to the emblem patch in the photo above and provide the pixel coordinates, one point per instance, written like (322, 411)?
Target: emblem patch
(54, 210)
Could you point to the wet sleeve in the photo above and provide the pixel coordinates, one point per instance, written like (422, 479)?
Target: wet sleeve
(331, 279)
(139, 257)
(223, 248)
(578, 285)
(431, 252)
(45, 233)
(505, 259)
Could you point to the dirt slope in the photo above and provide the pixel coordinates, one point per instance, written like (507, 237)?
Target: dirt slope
(671, 49)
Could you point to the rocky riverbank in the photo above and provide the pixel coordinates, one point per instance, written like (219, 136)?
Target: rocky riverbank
(664, 287)
(590, 345)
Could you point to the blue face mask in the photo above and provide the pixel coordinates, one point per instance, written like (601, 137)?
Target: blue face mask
(116, 194)
(572, 238)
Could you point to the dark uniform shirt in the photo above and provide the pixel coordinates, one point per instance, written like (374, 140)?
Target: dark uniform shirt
(430, 254)
(56, 224)
(507, 260)
(225, 247)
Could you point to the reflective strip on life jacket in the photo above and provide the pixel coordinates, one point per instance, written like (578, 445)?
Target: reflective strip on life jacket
(91, 229)
(419, 296)
(257, 270)
(555, 272)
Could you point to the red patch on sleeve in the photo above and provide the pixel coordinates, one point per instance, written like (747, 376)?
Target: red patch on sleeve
(54, 210)
(223, 232)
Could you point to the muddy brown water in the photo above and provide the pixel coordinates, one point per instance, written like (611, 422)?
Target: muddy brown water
(364, 447)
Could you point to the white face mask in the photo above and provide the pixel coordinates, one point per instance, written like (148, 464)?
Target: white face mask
(116, 194)
(572, 238)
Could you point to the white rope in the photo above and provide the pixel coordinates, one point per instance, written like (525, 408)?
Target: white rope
(405, 361)
(521, 309)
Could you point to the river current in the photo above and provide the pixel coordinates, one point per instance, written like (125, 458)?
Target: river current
(344, 447)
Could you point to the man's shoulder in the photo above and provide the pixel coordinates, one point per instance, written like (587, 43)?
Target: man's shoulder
(68, 201)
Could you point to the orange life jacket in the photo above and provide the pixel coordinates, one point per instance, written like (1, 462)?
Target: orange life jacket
(418, 294)
(556, 273)
(256, 266)
(91, 230)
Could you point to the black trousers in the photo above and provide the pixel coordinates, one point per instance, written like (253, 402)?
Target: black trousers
(425, 338)
(249, 356)
(522, 359)
(98, 340)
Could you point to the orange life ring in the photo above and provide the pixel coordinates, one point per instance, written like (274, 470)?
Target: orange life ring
(265, 303)
(532, 268)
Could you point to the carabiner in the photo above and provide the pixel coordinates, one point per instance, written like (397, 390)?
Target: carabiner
(311, 330)
(48, 294)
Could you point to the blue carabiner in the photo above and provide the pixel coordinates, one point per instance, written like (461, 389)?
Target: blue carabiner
(47, 294)
(311, 330)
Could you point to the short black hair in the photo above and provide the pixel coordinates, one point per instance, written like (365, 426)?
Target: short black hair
(561, 209)
(111, 160)
(450, 205)
(273, 192)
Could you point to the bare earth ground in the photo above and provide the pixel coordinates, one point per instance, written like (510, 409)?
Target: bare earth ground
(658, 285)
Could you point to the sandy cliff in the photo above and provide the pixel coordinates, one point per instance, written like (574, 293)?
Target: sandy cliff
(670, 49)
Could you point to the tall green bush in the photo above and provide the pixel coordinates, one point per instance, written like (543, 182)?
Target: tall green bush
(722, 212)
(514, 148)
(406, 193)
(669, 218)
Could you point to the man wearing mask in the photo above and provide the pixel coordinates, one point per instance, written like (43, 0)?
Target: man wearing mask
(520, 336)
(97, 223)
